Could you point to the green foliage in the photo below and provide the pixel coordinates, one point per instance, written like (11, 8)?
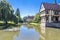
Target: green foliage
(15, 19)
(6, 10)
(6, 13)
(37, 18)
(18, 15)
(17, 12)
(24, 19)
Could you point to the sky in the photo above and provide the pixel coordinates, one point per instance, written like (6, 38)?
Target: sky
(28, 7)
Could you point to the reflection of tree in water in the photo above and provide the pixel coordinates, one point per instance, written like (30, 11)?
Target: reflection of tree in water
(37, 28)
(29, 26)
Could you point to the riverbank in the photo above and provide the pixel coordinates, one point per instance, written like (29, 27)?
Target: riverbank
(12, 29)
(10, 24)
(35, 24)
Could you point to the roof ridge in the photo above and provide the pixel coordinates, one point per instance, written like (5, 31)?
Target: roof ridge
(51, 6)
(50, 3)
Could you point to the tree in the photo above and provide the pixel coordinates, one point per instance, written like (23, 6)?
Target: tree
(3, 0)
(15, 19)
(24, 19)
(18, 14)
(6, 11)
(37, 18)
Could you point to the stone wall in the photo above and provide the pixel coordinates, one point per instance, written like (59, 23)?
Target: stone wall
(43, 24)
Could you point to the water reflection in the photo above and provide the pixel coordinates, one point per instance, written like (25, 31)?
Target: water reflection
(27, 34)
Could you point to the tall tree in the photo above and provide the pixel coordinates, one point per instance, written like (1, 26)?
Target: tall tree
(3, 0)
(6, 10)
(18, 14)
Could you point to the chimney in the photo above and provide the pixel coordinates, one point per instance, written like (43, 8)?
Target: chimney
(55, 2)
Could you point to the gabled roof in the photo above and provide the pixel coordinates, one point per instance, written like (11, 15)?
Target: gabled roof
(51, 6)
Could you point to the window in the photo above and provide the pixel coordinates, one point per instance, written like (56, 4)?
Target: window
(47, 12)
(42, 12)
(47, 18)
(52, 18)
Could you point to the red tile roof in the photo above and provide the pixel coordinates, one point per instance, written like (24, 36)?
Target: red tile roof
(51, 6)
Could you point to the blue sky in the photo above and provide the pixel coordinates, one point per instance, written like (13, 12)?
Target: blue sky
(28, 7)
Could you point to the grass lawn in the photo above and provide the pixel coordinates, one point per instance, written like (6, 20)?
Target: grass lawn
(10, 22)
(36, 24)
(7, 35)
(1, 21)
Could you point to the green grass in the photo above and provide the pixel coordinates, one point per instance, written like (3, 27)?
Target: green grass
(1, 21)
(36, 24)
(10, 22)
(7, 35)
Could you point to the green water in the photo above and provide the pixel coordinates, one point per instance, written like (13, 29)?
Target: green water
(28, 32)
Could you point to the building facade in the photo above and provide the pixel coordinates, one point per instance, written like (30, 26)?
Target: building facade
(28, 18)
(50, 15)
